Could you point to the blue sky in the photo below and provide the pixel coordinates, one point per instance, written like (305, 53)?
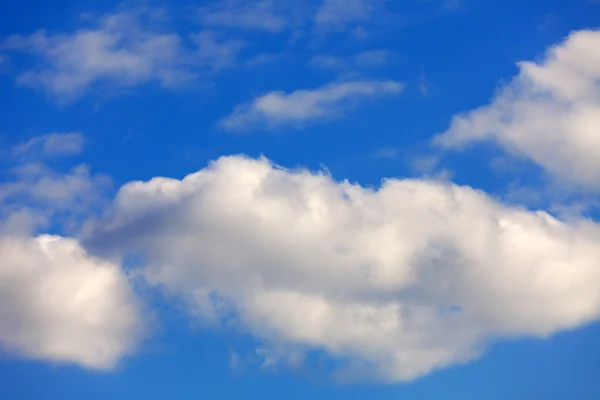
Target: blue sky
(319, 198)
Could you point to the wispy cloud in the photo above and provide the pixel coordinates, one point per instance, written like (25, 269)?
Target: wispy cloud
(122, 49)
(338, 14)
(266, 15)
(365, 59)
(51, 145)
(276, 109)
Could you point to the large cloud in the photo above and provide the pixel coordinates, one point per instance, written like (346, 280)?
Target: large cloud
(550, 113)
(393, 283)
(61, 305)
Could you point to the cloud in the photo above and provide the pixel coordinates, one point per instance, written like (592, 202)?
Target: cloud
(338, 14)
(365, 59)
(373, 58)
(58, 304)
(254, 15)
(120, 50)
(214, 51)
(328, 61)
(393, 283)
(51, 145)
(35, 195)
(549, 113)
(276, 109)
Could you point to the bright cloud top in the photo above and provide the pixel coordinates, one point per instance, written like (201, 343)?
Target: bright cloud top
(550, 113)
(60, 305)
(394, 282)
(276, 109)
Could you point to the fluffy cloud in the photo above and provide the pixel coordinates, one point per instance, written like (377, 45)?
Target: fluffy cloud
(60, 305)
(393, 283)
(550, 113)
(56, 302)
(276, 109)
(120, 50)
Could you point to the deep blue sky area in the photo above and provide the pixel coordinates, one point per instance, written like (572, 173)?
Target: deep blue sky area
(448, 56)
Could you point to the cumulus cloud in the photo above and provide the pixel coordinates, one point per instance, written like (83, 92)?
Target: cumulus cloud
(276, 109)
(393, 283)
(549, 113)
(58, 304)
(51, 145)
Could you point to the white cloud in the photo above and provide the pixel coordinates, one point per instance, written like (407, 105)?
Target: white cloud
(276, 109)
(51, 145)
(386, 153)
(550, 113)
(120, 50)
(394, 283)
(328, 61)
(214, 51)
(373, 58)
(60, 305)
(337, 14)
(365, 59)
(38, 184)
(34, 195)
(255, 15)
(57, 303)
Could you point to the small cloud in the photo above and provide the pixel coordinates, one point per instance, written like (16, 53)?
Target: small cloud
(213, 51)
(265, 58)
(386, 153)
(338, 14)
(425, 165)
(51, 145)
(365, 59)
(276, 109)
(325, 61)
(118, 51)
(373, 58)
(423, 85)
(259, 15)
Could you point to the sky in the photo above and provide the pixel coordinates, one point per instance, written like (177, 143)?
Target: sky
(316, 199)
